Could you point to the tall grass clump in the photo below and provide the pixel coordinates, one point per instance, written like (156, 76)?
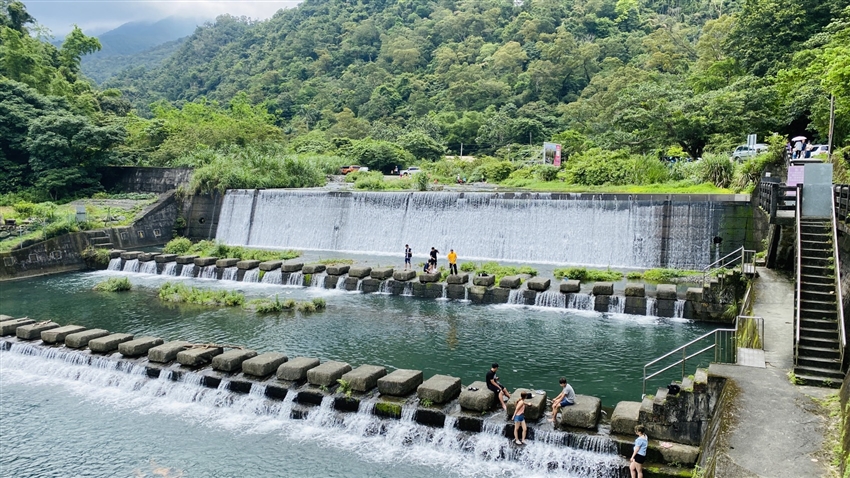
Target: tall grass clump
(180, 293)
(181, 245)
(114, 284)
(716, 169)
(588, 275)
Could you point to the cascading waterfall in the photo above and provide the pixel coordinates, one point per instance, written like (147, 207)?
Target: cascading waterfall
(466, 294)
(385, 288)
(220, 408)
(679, 309)
(616, 304)
(148, 267)
(230, 273)
(408, 289)
(114, 264)
(445, 294)
(296, 279)
(515, 297)
(272, 277)
(188, 270)
(340, 283)
(208, 272)
(252, 275)
(170, 269)
(580, 302)
(318, 280)
(131, 266)
(551, 298)
(651, 306)
(359, 287)
(611, 230)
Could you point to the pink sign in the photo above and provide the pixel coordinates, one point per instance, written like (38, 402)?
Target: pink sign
(795, 177)
(557, 161)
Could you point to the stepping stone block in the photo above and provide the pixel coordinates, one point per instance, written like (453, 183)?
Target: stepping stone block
(108, 343)
(404, 276)
(129, 256)
(327, 373)
(148, 256)
(205, 261)
(584, 414)
(634, 289)
(481, 400)
(461, 278)
(570, 286)
(400, 382)
(225, 263)
(248, 265)
(603, 288)
(338, 270)
(296, 369)
(168, 351)
(539, 284)
(197, 356)
(625, 418)
(510, 282)
(291, 266)
(264, 364)
(267, 266)
(59, 334)
(484, 281)
(666, 291)
(313, 269)
(8, 327)
(429, 278)
(381, 273)
(694, 294)
(163, 258)
(186, 259)
(535, 406)
(33, 331)
(359, 272)
(231, 361)
(116, 253)
(439, 389)
(138, 347)
(4, 318)
(82, 339)
(364, 377)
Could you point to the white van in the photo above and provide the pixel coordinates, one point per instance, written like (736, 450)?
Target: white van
(744, 152)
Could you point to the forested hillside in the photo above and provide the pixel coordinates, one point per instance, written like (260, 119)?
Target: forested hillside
(279, 103)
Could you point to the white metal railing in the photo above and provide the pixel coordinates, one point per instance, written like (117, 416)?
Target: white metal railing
(747, 258)
(838, 293)
(797, 322)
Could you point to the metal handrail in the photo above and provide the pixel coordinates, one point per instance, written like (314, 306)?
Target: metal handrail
(739, 253)
(797, 322)
(745, 303)
(838, 292)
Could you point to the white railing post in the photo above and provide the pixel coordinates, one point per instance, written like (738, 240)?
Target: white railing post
(797, 320)
(838, 293)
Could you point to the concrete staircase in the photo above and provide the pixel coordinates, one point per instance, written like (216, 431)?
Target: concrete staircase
(818, 355)
(98, 239)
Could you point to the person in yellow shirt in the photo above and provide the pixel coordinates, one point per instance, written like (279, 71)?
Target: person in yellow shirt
(452, 262)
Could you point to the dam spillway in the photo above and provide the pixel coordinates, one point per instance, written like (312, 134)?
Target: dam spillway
(596, 230)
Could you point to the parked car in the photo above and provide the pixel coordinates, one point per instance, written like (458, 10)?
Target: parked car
(351, 169)
(819, 149)
(744, 152)
(410, 171)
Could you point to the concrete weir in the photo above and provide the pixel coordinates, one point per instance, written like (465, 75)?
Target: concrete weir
(307, 387)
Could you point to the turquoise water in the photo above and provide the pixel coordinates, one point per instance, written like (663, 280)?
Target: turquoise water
(66, 420)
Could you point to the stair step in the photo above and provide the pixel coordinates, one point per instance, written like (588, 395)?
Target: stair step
(835, 374)
(646, 405)
(810, 332)
(108, 245)
(819, 363)
(821, 324)
(822, 288)
(813, 381)
(816, 278)
(660, 396)
(687, 384)
(809, 352)
(818, 314)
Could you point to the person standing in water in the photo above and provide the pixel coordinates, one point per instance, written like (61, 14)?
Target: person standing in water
(519, 418)
(408, 254)
(452, 257)
(639, 455)
(433, 260)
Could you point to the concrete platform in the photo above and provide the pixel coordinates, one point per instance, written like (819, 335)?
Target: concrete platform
(364, 377)
(404, 276)
(359, 271)
(81, 339)
(313, 268)
(381, 273)
(296, 369)
(108, 343)
(248, 264)
(535, 407)
(584, 414)
(481, 400)
(666, 291)
(9, 326)
(510, 282)
(338, 270)
(231, 361)
(484, 281)
(625, 418)
(439, 389)
(264, 364)
(326, 374)
(539, 284)
(603, 288)
(400, 383)
(168, 351)
(225, 263)
(58, 335)
(138, 347)
(197, 356)
(570, 286)
(269, 265)
(290, 266)
(429, 278)
(33, 331)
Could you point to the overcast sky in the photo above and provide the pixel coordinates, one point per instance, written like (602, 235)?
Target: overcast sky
(98, 16)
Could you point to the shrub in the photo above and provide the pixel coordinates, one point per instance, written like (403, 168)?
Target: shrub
(24, 209)
(319, 303)
(497, 171)
(498, 270)
(178, 245)
(96, 258)
(596, 167)
(468, 267)
(716, 169)
(175, 292)
(114, 284)
(421, 180)
(306, 307)
(588, 275)
(664, 275)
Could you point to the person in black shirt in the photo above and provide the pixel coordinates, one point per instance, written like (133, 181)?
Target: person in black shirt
(502, 393)
(433, 261)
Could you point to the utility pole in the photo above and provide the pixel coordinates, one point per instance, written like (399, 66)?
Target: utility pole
(831, 125)
(461, 150)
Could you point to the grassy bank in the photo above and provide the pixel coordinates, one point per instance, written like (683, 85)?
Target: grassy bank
(184, 246)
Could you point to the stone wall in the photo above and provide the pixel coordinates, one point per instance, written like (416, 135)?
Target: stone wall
(200, 214)
(133, 179)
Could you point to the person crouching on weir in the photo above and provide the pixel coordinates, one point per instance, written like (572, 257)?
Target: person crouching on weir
(502, 393)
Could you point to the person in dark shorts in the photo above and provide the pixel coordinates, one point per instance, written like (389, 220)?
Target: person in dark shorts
(492, 380)
(639, 455)
(408, 254)
(566, 398)
(519, 418)
(433, 260)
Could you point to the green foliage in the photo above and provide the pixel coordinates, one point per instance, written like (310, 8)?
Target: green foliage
(178, 245)
(344, 387)
(666, 275)
(376, 155)
(336, 262)
(181, 293)
(498, 270)
(421, 180)
(96, 258)
(588, 275)
(114, 284)
(426, 402)
(468, 267)
(269, 306)
(374, 181)
(183, 246)
(716, 169)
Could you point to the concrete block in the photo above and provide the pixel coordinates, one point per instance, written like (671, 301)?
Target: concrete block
(539, 284)
(370, 285)
(624, 419)
(327, 373)
(115, 253)
(635, 289)
(666, 291)
(205, 261)
(603, 288)
(400, 382)
(570, 286)
(4, 318)
(338, 270)
(583, 414)
(359, 271)
(510, 282)
(168, 351)
(8, 327)
(197, 356)
(535, 407)
(461, 278)
(364, 377)
(33, 331)
(601, 303)
(268, 265)
(164, 258)
(296, 369)
(225, 263)
(129, 256)
(138, 347)
(381, 273)
(148, 256)
(186, 259)
(81, 339)
(108, 343)
(404, 276)
(264, 364)
(635, 305)
(58, 335)
(456, 291)
(484, 281)
(291, 266)
(248, 265)
(694, 294)
(231, 361)
(439, 389)
(481, 400)
(429, 278)
(313, 268)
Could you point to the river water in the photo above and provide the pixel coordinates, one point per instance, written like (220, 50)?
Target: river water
(64, 421)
